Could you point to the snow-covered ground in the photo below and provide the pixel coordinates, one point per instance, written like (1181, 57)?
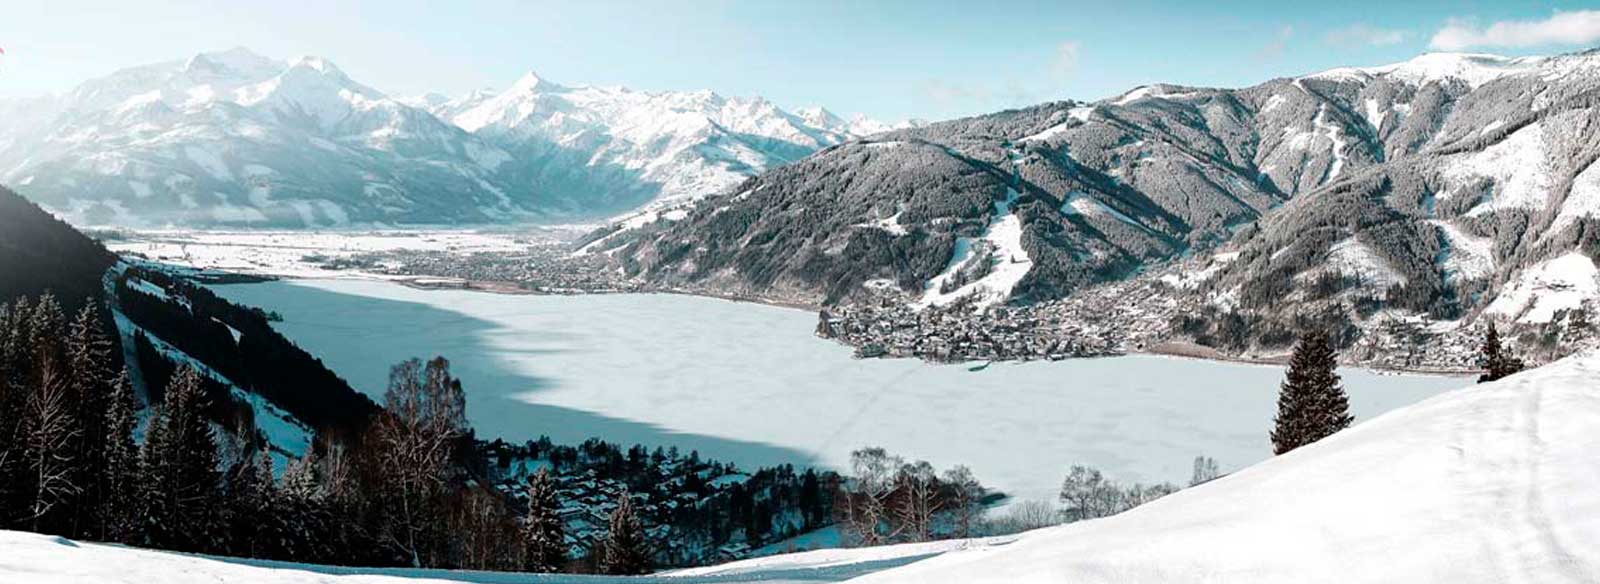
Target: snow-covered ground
(1495, 483)
(750, 384)
(40, 559)
(284, 253)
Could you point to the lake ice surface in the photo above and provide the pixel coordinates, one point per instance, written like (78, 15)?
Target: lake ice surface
(750, 384)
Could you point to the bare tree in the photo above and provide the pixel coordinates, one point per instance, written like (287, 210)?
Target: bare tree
(918, 500)
(1205, 471)
(49, 432)
(1024, 516)
(1088, 495)
(965, 498)
(863, 500)
(414, 442)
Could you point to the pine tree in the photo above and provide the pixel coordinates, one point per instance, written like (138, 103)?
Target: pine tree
(119, 475)
(1311, 402)
(544, 537)
(180, 470)
(624, 551)
(1496, 361)
(11, 407)
(89, 378)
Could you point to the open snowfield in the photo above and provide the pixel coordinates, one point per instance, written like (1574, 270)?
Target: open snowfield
(284, 253)
(750, 384)
(1495, 483)
(38, 559)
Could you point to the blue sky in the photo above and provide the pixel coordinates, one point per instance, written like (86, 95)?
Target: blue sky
(889, 59)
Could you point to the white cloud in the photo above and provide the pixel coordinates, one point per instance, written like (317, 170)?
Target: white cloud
(1580, 27)
(1364, 34)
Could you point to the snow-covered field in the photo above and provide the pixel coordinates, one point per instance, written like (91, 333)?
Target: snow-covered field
(284, 253)
(749, 383)
(39, 559)
(1495, 483)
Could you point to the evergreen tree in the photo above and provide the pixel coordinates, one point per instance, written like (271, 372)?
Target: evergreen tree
(180, 470)
(1311, 402)
(89, 377)
(119, 475)
(1495, 360)
(544, 537)
(11, 407)
(624, 551)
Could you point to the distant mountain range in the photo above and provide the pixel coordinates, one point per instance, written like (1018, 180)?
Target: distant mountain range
(1444, 184)
(236, 139)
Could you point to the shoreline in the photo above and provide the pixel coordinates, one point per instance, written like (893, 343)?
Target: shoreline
(1171, 349)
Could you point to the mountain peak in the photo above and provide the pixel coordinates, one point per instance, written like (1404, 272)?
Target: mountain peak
(1474, 69)
(531, 82)
(318, 64)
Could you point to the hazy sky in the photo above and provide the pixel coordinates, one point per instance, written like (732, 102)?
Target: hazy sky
(890, 60)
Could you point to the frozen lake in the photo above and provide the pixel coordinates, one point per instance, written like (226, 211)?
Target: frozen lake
(750, 384)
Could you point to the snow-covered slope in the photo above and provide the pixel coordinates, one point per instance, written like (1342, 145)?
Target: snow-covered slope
(33, 558)
(234, 138)
(1431, 182)
(1496, 483)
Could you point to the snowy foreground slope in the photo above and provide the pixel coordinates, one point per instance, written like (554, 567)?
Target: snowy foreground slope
(40, 559)
(1492, 483)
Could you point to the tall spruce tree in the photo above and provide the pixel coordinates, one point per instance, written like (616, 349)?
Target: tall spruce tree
(625, 551)
(11, 400)
(1496, 361)
(180, 470)
(544, 537)
(89, 377)
(1312, 404)
(120, 473)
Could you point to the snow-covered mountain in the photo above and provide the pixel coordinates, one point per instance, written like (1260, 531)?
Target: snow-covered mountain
(233, 138)
(1493, 483)
(1445, 184)
(616, 148)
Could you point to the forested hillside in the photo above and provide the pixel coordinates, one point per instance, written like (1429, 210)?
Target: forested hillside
(39, 253)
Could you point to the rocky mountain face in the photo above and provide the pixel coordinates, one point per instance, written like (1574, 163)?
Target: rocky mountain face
(235, 139)
(1448, 184)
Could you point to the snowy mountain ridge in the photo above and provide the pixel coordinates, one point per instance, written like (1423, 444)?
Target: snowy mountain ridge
(232, 138)
(1442, 188)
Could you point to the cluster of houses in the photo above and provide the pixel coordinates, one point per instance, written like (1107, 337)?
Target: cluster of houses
(1111, 319)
